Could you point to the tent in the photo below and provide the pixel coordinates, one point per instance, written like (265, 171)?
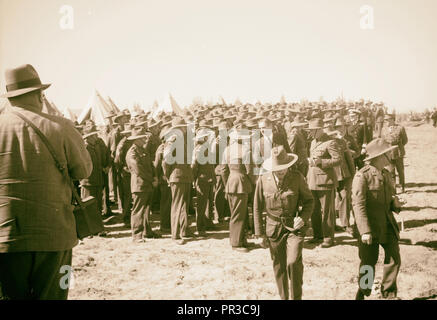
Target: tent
(70, 115)
(96, 109)
(49, 108)
(113, 105)
(167, 105)
(4, 104)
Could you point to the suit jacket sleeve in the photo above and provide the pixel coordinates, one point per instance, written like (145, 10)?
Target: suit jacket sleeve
(258, 208)
(359, 189)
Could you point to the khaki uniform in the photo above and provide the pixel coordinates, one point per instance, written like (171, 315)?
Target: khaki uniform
(298, 146)
(125, 194)
(344, 172)
(164, 190)
(204, 182)
(397, 136)
(237, 189)
(372, 200)
(142, 172)
(282, 201)
(322, 181)
(180, 178)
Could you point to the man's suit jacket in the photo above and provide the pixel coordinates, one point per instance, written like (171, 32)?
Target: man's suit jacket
(35, 198)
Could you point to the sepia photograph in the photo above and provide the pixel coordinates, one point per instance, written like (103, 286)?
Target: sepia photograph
(237, 152)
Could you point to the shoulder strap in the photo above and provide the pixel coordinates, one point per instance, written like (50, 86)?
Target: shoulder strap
(60, 167)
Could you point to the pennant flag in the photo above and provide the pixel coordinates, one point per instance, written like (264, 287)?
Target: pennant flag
(222, 101)
(175, 106)
(96, 109)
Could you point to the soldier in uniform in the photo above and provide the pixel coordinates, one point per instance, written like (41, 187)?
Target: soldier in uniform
(322, 181)
(379, 115)
(113, 140)
(143, 180)
(280, 192)
(204, 181)
(124, 182)
(164, 187)
(357, 130)
(396, 135)
(93, 185)
(298, 144)
(222, 175)
(238, 158)
(374, 201)
(344, 172)
(179, 174)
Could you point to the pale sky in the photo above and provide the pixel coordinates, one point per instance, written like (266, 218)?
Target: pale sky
(140, 51)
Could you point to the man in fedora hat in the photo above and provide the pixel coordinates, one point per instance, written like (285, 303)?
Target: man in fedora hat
(396, 135)
(280, 192)
(143, 180)
(374, 200)
(322, 181)
(37, 226)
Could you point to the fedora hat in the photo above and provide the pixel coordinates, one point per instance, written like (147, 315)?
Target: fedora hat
(279, 160)
(341, 122)
(316, 123)
(178, 122)
(138, 133)
(22, 80)
(252, 123)
(240, 132)
(89, 129)
(165, 129)
(377, 148)
(298, 122)
(389, 117)
(127, 129)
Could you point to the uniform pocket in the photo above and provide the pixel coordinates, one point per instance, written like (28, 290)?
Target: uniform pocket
(272, 229)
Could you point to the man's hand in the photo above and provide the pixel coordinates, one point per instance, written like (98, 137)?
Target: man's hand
(366, 239)
(155, 182)
(298, 223)
(399, 202)
(364, 150)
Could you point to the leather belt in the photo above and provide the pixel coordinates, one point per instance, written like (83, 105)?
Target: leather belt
(281, 219)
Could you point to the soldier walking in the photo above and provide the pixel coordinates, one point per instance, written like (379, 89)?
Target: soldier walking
(280, 192)
(374, 201)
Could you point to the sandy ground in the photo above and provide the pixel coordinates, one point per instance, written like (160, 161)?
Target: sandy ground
(115, 268)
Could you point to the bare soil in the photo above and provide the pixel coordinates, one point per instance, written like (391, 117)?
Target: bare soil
(116, 268)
